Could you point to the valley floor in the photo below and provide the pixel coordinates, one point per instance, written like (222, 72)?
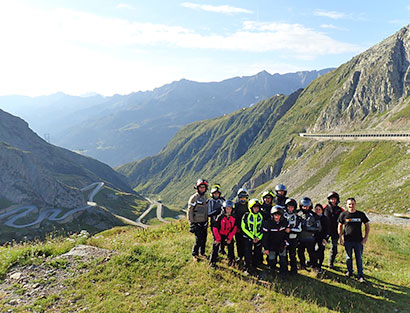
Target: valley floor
(151, 270)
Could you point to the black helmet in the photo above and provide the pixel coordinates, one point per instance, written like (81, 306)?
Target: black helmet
(292, 202)
(242, 193)
(227, 203)
(277, 209)
(200, 182)
(333, 194)
(280, 187)
(305, 201)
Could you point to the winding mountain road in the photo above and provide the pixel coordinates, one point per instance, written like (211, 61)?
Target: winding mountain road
(153, 203)
(17, 212)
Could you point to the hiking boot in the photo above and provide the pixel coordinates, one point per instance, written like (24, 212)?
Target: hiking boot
(348, 274)
(361, 279)
(195, 258)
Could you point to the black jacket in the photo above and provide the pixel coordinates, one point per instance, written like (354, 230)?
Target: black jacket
(274, 235)
(332, 215)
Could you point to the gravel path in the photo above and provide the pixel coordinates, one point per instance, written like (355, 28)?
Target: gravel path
(387, 219)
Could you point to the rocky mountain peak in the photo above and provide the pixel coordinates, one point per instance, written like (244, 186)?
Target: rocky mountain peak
(372, 82)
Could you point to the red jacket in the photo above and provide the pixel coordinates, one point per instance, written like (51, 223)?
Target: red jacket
(224, 226)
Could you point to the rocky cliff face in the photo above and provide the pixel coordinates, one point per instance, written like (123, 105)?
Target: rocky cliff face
(371, 83)
(35, 172)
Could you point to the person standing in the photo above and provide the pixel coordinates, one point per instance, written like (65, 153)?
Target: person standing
(267, 204)
(332, 211)
(240, 208)
(224, 230)
(307, 237)
(321, 237)
(351, 236)
(280, 197)
(198, 218)
(275, 233)
(252, 235)
(215, 203)
(295, 226)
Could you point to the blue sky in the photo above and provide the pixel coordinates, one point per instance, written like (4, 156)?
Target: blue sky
(110, 47)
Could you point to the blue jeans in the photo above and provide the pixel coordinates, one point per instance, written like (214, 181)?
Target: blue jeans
(358, 250)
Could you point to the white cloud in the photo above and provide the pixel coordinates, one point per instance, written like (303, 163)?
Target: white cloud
(226, 9)
(331, 14)
(331, 26)
(46, 49)
(125, 6)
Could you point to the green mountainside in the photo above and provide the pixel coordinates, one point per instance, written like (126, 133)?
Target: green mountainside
(260, 146)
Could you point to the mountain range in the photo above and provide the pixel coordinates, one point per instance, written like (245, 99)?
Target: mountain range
(260, 146)
(124, 128)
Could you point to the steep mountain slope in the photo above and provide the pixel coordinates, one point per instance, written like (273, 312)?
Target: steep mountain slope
(42, 187)
(369, 92)
(121, 129)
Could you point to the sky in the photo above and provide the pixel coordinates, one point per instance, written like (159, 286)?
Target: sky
(118, 47)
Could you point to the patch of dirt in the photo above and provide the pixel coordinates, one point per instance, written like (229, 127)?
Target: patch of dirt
(25, 285)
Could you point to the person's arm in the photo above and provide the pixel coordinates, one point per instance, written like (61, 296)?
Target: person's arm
(366, 232)
(340, 232)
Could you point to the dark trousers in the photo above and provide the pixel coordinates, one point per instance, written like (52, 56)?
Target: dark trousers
(222, 244)
(253, 253)
(357, 247)
(310, 247)
(200, 233)
(320, 253)
(293, 244)
(240, 245)
(333, 249)
(283, 260)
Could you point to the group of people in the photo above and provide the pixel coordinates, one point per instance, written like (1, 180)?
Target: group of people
(275, 227)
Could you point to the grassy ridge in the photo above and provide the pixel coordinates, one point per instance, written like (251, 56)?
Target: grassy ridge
(152, 271)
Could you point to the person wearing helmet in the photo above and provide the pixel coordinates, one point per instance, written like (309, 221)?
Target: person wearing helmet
(281, 192)
(332, 212)
(351, 237)
(215, 203)
(240, 208)
(274, 241)
(267, 203)
(198, 218)
(321, 237)
(251, 226)
(295, 225)
(215, 206)
(310, 226)
(224, 230)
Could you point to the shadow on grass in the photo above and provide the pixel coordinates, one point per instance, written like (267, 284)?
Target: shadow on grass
(333, 290)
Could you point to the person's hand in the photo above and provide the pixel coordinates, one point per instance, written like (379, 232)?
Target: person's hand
(217, 242)
(267, 252)
(341, 241)
(364, 241)
(324, 242)
(255, 240)
(228, 242)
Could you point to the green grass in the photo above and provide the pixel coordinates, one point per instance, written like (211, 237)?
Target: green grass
(152, 271)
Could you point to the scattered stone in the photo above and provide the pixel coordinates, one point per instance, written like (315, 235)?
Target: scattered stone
(16, 276)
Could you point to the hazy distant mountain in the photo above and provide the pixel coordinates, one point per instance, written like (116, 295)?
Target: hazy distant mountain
(120, 129)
